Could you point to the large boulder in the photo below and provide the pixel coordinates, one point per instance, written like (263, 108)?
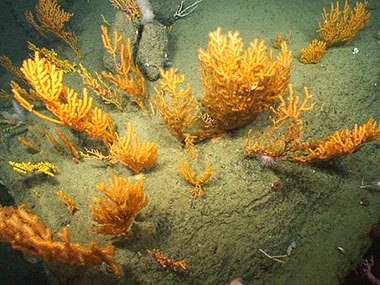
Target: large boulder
(152, 50)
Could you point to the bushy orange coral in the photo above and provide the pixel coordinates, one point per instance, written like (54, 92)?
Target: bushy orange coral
(239, 84)
(342, 25)
(136, 156)
(313, 52)
(115, 214)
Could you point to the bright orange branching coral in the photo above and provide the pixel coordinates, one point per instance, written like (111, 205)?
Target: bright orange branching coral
(288, 145)
(313, 52)
(25, 232)
(341, 142)
(62, 101)
(197, 182)
(179, 111)
(115, 214)
(342, 25)
(102, 88)
(141, 155)
(52, 18)
(240, 85)
(165, 261)
(129, 78)
(272, 142)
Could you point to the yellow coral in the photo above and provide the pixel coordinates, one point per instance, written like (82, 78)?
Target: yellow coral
(130, 8)
(62, 101)
(179, 110)
(26, 167)
(53, 57)
(70, 204)
(129, 77)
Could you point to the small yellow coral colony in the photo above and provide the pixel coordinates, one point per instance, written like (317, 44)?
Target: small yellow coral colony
(180, 111)
(70, 204)
(53, 57)
(26, 167)
(130, 8)
(129, 78)
(136, 156)
(28, 144)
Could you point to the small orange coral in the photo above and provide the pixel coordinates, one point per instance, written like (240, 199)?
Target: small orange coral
(197, 182)
(115, 214)
(165, 261)
(313, 52)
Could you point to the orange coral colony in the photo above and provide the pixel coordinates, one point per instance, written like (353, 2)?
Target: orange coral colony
(197, 181)
(289, 146)
(136, 157)
(62, 101)
(240, 85)
(313, 52)
(115, 214)
(342, 25)
(167, 262)
(25, 232)
(52, 18)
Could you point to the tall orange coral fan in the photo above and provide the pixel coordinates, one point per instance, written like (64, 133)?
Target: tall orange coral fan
(129, 78)
(52, 18)
(62, 101)
(179, 111)
(25, 232)
(141, 155)
(342, 25)
(288, 145)
(240, 85)
(313, 52)
(115, 214)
